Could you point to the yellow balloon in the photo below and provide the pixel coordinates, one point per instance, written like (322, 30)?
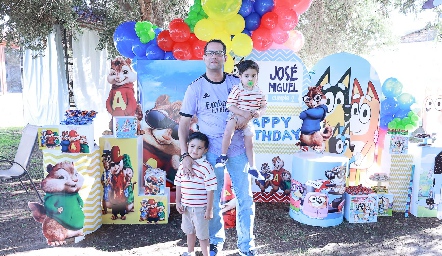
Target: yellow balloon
(221, 9)
(296, 40)
(235, 25)
(242, 45)
(204, 29)
(225, 37)
(229, 64)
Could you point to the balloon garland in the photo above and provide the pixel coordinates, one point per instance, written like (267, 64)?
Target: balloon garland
(396, 107)
(242, 25)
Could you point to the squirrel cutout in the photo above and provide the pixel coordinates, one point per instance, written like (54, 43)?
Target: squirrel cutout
(311, 134)
(121, 100)
(62, 214)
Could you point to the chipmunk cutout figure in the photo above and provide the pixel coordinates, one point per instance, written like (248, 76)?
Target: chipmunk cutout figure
(311, 133)
(121, 100)
(61, 215)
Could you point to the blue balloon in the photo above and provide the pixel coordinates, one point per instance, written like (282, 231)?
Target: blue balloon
(252, 21)
(391, 88)
(125, 31)
(263, 6)
(389, 107)
(401, 113)
(157, 31)
(383, 123)
(405, 100)
(246, 8)
(139, 49)
(125, 48)
(153, 52)
(169, 56)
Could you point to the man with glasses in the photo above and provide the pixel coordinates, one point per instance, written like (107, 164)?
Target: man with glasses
(206, 99)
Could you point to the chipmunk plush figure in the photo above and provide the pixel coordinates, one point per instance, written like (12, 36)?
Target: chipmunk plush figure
(61, 215)
(121, 100)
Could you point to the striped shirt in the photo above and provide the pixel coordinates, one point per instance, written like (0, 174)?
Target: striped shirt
(246, 100)
(194, 189)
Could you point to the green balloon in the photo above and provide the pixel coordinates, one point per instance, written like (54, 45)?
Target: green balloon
(409, 127)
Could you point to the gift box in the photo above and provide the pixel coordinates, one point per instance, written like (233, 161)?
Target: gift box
(361, 208)
(385, 204)
(125, 126)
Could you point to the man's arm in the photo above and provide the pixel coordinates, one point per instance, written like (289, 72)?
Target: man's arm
(183, 134)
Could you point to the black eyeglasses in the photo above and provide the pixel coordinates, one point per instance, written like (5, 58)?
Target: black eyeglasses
(158, 120)
(316, 98)
(214, 53)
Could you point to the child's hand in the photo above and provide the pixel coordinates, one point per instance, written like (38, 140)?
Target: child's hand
(209, 214)
(179, 207)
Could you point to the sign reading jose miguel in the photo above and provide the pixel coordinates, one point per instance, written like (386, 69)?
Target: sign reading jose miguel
(282, 77)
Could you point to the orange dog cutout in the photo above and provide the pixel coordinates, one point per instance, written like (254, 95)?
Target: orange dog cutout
(364, 128)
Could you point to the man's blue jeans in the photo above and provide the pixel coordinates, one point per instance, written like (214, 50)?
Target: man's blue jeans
(245, 212)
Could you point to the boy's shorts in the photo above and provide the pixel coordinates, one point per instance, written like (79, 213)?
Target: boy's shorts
(249, 130)
(193, 222)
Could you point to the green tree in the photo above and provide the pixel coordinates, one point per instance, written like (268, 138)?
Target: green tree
(356, 26)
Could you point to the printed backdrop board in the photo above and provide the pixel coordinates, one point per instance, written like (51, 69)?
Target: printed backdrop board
(283, 77)
(162, 85)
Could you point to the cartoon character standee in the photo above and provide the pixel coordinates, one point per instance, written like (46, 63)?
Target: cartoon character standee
(61, 215)
(121, 100)
(338, 116)
(364, 129)
(311, 133)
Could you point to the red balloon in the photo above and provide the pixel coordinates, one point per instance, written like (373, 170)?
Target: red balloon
(182, 51)
(279, 36)
(164, 41)
(198, 49)
(269, 20)
(301, 6)
(262, 39)
(175, 21)
(287, 19)
(179, 32)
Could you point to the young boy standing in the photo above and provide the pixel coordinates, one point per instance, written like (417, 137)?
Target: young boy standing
(246, 100)
(194, 194)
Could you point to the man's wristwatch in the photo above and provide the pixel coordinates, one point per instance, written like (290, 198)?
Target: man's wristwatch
(184, 155)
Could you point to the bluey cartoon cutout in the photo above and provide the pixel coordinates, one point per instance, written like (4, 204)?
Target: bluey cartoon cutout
(364, 127)
(338, 116)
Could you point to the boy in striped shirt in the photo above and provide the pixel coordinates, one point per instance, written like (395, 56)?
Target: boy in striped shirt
(194, 195)
(247, 100)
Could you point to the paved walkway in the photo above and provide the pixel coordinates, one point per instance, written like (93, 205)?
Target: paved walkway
(11, 110)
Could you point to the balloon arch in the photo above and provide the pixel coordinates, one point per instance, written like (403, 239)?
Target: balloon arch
(242, 25)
